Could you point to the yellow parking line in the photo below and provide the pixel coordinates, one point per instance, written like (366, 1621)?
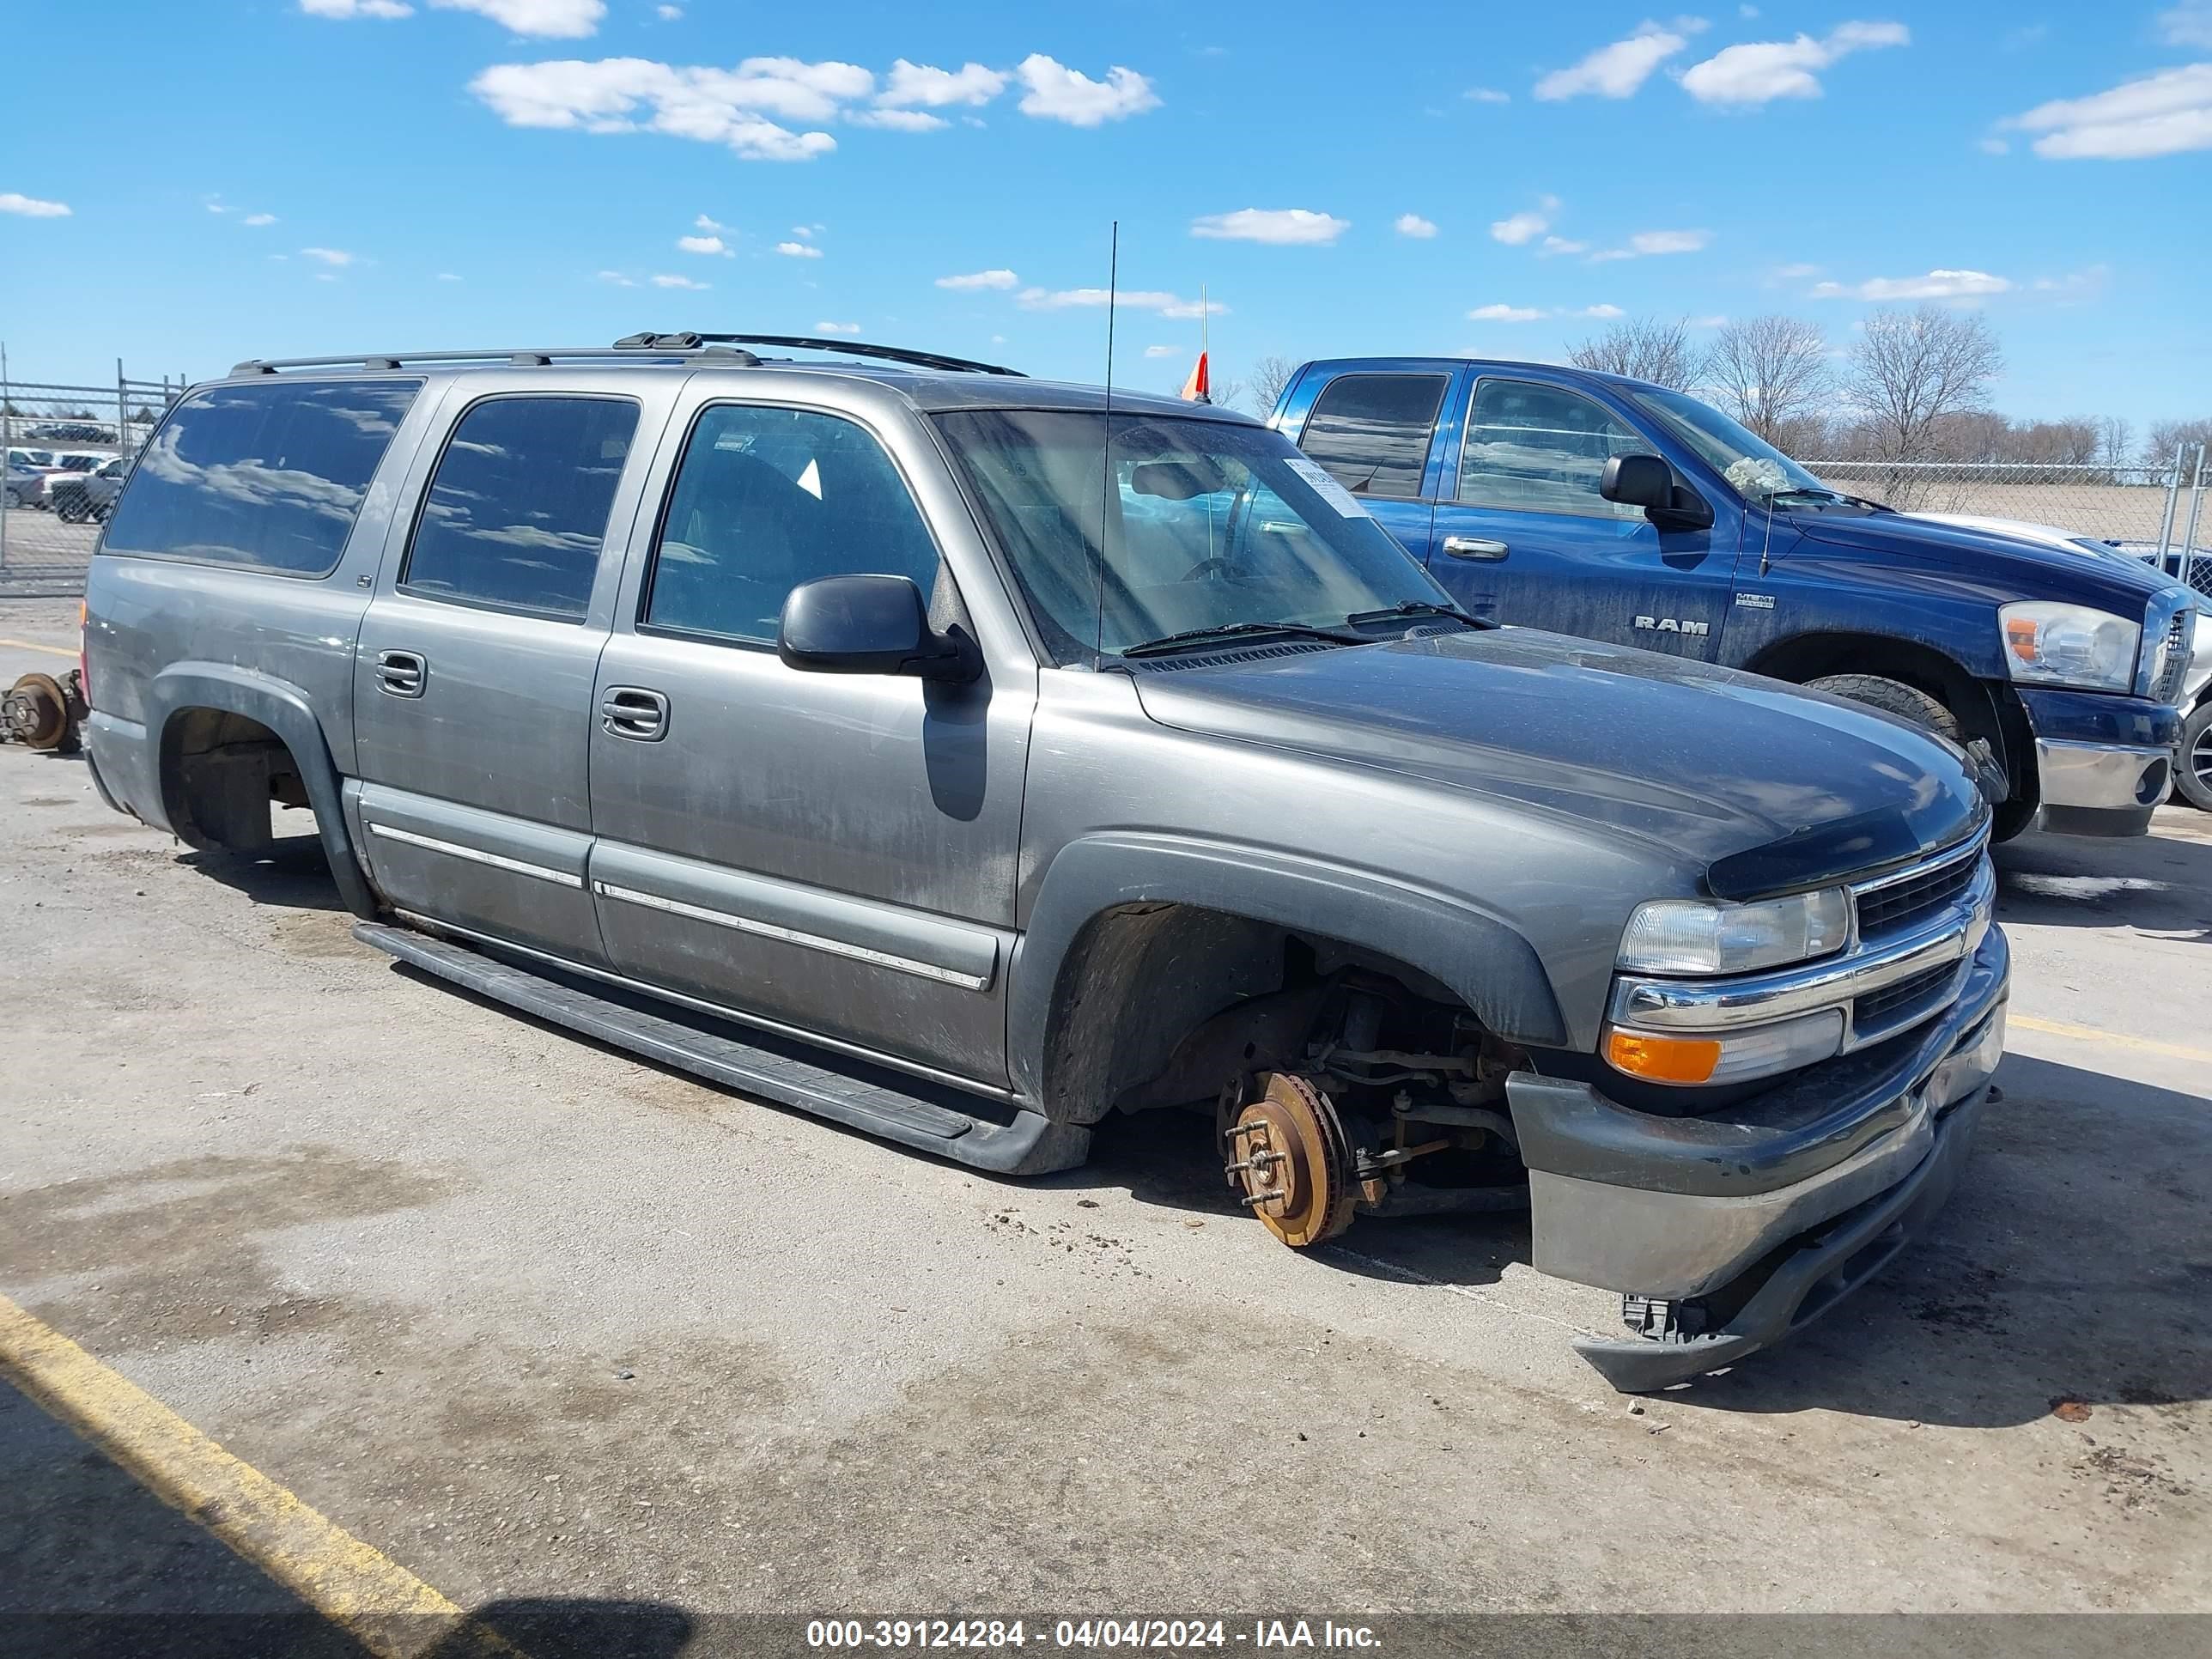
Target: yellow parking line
(2118, 1039)
(50, 650)
(388, 1610)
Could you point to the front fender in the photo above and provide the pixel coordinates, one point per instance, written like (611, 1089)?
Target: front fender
(285, 710)
(1480, 957)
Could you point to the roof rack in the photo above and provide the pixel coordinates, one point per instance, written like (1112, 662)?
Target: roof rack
(713, 348)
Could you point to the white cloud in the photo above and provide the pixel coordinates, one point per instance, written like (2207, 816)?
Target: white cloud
(326, 277)
(710, 226)
(1167, 305)
(31, 207)
(703, 244)
(909, 85)
(257, 220)
(897, 120)
(1487, 95)
(979, 279)
(798, 251)
(2189, 24)
(1165, 351)
(1412, 225)
(711, 105)
(1646, 243)
(668, 14)
(1526, 226)
(617, 279)
(448, 276)
(560, 20)
(1617, 70)
(1936, 285)
(1560, 245)
(1791, 273)
(356, 8)
(1760, 71)
(1284, 226)
(329, 256)
(1603, 311)
(837, 328)
(217, 206)
(1504, 314)
(1056, 93)
(2160, 114)
(677, 281)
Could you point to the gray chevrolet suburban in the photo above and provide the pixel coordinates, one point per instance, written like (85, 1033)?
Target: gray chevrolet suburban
(963, 758)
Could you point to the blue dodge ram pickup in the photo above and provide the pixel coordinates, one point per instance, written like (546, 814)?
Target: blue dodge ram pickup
(1594, 504)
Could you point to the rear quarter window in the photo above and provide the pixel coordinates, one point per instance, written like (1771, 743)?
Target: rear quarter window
(268, 475)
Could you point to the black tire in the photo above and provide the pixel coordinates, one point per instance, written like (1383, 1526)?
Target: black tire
(2193, 759)
(1893, 697)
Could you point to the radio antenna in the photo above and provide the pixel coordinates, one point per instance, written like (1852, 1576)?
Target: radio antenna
(1106, 467)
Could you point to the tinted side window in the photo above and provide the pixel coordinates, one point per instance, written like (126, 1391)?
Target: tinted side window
(1538, 449)
(768, 498)
(270, 474)
(517, 511)
(1371, 431)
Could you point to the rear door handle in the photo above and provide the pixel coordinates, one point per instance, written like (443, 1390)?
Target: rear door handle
(1474, 547)
(401, 673)
(633, 711)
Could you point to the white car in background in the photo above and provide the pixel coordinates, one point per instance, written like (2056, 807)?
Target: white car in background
(2192, 757)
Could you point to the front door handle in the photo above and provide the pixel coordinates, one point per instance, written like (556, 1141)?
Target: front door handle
(1474, 547)
(633, 711)
(401, 673)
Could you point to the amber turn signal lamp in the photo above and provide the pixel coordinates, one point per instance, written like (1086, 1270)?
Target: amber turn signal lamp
(1662, 1058)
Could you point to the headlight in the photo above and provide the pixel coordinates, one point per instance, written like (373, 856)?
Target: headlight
(1692, 936)
(2070, 645)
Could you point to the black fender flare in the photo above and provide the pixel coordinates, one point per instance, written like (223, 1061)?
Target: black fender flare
(1484, 959)
(285, 710)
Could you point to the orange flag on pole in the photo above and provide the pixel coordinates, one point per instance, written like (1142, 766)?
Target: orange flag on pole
(1195, 389)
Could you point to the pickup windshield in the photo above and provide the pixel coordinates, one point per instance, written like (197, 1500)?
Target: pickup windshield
(1756, 468)
(1194, 531)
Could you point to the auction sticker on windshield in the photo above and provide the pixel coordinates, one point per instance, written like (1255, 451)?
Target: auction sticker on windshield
(1346, 503)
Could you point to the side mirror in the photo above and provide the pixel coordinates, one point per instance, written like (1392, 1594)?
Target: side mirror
(867, 625)
(1647, 481)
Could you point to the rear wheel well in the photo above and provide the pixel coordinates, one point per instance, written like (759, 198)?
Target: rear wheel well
(220, 772)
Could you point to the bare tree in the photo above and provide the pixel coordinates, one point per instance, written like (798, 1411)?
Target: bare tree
(2116, 442)
(1643, 348)
(1771, 373)
(1267, 381)
(1913, 370)
(2167, 436)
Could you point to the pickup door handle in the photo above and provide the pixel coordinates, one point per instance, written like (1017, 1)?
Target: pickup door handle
(631, 711)
(401, 673)
(1474, 547)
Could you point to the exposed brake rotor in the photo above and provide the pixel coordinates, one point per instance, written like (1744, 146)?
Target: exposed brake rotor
(1288, 1151)
(42, 712)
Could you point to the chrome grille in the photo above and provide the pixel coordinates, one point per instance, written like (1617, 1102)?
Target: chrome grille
(1897, 904)
(1874, 1012)
(2173, 661)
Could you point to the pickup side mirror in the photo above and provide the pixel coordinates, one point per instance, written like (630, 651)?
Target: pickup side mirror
(1647, 481)
(867, 625)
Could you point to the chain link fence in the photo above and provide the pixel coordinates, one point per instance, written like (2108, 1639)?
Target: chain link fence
(2157, 512)
(57, 439)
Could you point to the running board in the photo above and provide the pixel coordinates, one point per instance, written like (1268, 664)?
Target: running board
(1030, 1144)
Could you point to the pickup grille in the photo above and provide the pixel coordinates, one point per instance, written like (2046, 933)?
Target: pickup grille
(1898, 1004)
(1902, 905)
(2173, 658)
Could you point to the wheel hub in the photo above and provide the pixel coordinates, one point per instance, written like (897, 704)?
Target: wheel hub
(1288, 1152)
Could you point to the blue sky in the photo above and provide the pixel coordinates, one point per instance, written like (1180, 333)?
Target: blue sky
(271, 177)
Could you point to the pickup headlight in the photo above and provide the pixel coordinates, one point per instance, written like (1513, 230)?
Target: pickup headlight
(2070, 645)
(1695, 936)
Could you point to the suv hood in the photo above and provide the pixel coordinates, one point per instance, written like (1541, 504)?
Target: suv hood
(1700, 762)
(2010, 568)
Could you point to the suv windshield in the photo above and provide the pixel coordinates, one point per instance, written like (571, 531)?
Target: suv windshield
(1206, 527)
(1754, 466)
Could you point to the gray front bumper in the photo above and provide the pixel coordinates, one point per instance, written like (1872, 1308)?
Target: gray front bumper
(1763, 1217)
(2100, 788)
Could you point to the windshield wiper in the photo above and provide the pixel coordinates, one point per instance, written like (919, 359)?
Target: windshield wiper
(1419, 608)
(1774, 496)
(1233, 630)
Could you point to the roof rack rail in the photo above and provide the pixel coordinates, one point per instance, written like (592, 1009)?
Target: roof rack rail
(715, 347)
(694, 342)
